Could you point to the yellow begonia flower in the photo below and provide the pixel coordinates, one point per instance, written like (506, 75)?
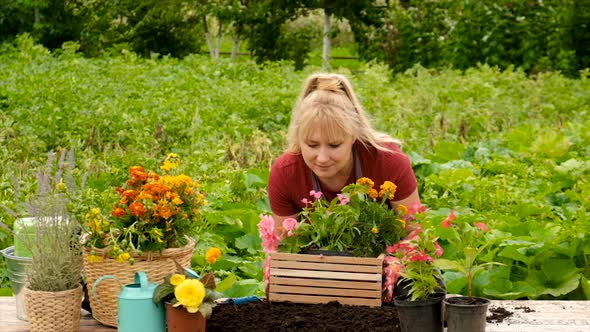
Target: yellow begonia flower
(123, 257)
(176, 279)
(374, 230)
(93, 259)
(212, 255)
(190, 294)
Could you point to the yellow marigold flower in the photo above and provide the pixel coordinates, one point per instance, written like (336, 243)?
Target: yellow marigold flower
(190, 294)
(176, 279)
(93, 259)
(403, 222)
(95, 211)
(374, 230)
(387, 188)
(402, 209)
(366, 182)
(373, 193)
(177, 201)
(123, 257)
(212, 255)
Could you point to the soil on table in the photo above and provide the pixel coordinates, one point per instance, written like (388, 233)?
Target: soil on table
(285, 316)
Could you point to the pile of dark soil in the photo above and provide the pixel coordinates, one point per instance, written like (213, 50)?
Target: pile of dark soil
(265, 316)
(285, 316)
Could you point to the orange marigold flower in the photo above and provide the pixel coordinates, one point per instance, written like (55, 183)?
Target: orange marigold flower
(373, 193)
(212, 255)
(118, 212)
(137, 172)
(366, 182)
(387, 188)
(145, 196)
(131, 194)
(164, 211)
(402, 209)
(403, 222)
(136, 209)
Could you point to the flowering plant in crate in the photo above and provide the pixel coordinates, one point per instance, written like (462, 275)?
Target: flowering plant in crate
(152, 212)
(359, 220)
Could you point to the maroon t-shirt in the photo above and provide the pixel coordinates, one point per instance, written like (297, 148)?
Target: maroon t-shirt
(290, 179)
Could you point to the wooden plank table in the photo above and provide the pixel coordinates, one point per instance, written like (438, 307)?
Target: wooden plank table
(539, 316)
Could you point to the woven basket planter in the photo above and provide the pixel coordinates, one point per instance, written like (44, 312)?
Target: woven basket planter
(156, 265)
(54, 311)
(322, 279)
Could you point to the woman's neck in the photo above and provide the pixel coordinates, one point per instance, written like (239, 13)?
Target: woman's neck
(338, 181)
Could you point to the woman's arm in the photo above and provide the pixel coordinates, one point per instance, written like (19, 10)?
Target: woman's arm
(408, 201)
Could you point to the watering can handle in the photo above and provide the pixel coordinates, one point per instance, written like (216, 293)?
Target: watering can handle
(107, 276)
(142, 280)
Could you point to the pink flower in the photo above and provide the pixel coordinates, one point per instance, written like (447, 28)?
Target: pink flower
(391, 271)
(402, 246)
(289, 224)
(447, 222)
(416, 207)
(266, 231)
(438, 250)
(316, 194)
(343, 199)
(481, 226)
(413, 234)
(305, 201)
(266, 269)
(419, 256)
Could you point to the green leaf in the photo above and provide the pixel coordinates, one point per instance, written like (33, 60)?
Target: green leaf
(246, 287)
(250, 243)
(558, 270)
(585, 284)
(445, 151)
(447, 264)
(226, 283)
(161, 291)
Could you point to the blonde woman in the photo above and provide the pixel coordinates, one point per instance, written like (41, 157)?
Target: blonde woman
(332, 144)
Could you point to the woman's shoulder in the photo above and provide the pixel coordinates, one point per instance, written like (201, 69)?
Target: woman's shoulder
(287, 164)
(392, 151)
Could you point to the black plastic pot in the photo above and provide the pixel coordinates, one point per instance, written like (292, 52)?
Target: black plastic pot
(420, 316)
(466, 315)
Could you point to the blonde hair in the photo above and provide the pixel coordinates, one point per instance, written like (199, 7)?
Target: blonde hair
(328, 100)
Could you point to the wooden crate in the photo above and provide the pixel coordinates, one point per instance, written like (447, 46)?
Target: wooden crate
(320, 279)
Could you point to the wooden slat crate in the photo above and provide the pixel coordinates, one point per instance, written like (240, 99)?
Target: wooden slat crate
(321, 279)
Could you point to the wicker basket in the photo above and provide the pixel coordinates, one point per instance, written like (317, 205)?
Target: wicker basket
(54, 311)
(155, 265)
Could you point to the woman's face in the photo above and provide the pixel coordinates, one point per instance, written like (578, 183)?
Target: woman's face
(328, 156)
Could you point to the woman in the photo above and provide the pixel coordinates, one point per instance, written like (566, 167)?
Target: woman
(331, 144)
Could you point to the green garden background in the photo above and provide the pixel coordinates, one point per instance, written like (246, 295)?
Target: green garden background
(490, 98)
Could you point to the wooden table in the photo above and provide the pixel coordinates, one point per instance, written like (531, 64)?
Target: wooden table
(541, 316)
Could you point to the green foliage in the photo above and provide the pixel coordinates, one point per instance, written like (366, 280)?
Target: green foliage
(536, 36)
(511, 149)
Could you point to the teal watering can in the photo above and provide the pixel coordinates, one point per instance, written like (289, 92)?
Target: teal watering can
(136, 311)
